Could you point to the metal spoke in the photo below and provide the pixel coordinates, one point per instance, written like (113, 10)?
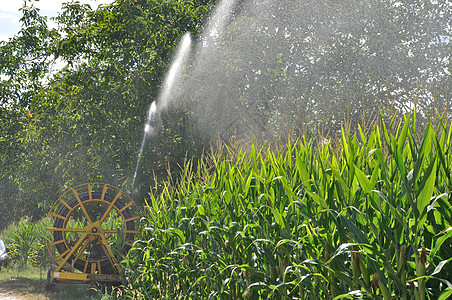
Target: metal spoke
(82, 206)
(66, 229)
(107, 212)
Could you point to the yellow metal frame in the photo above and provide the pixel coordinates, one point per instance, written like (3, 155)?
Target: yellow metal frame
(84, 277)
(93, 233)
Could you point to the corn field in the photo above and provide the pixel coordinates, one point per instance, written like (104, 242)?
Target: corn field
(368, 216)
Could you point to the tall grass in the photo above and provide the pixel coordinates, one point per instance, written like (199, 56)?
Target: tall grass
(368, 217)
(26, 241)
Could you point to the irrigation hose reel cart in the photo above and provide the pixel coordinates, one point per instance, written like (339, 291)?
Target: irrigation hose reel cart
(94, 225)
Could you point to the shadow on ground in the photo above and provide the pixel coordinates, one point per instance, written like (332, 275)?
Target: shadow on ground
(26, 289)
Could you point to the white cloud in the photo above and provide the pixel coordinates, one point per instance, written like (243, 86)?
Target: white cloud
(9, 24)
(9, 17)
(4, 37)
(10, 6)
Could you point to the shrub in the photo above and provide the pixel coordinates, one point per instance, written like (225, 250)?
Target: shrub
(26, 241)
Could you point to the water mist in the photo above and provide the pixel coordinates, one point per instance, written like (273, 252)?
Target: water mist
(165, 95)
(262, 67)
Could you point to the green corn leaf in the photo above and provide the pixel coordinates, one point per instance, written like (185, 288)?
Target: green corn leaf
(440, 155)
(446, 294)
(343, 248)
(357, 233)
(201, 210)
(440, 266)
(248, 184)
(275, 288)
(278, 217)
(449, 139)
(402, 137)
(345, 145)
(375, 174)
(394, 211)
(439, 241)
(357, 294)
(426, 146)
(317, 199)
(256, 286)
(425, 195)
(338, 176)
(302, 171)
(386, 134)
(177, 232)
(371, 152)
(362, 135)
(365, 183)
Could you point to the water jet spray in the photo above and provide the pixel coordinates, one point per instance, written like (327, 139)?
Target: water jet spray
(148, 130)
(165, 95)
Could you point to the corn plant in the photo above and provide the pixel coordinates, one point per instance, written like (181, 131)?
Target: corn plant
(27, 242)
(368, 216)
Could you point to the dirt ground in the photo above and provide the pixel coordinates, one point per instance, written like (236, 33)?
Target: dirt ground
(21, 288)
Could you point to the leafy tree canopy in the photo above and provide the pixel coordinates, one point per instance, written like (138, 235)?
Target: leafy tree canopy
(73, 98)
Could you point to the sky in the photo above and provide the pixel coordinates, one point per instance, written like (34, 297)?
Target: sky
(10, 15)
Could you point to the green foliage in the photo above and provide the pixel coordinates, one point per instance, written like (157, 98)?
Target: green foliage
(368, 215)
(84, 120)
(26, 241)
(300, 220)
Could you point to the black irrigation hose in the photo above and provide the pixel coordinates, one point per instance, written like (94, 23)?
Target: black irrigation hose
(79, 264)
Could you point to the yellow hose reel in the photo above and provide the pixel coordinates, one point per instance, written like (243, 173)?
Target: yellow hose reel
(93, 227)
